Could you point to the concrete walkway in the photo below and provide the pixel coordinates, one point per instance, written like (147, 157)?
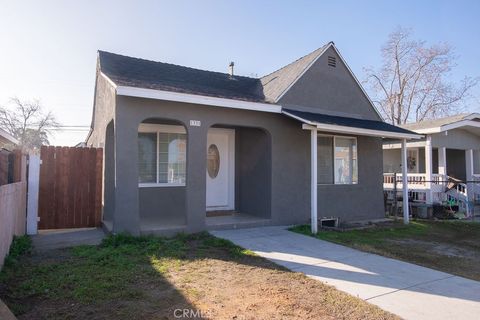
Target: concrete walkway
(64, 238)
(405, 289)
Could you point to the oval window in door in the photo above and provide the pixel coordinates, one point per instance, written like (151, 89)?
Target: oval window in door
(213, 161)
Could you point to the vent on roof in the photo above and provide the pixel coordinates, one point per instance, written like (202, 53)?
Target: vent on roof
(332, 61)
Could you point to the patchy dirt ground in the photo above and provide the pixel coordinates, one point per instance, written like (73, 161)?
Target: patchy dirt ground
(191, 277)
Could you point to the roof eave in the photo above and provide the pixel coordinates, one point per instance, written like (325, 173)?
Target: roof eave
(450, 126)
(309, 125)
(7, 136)
(196, 99)
(360, 131)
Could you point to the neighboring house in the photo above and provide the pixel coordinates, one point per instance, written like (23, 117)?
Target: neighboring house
(7, 141)
(185, 148)
(7, 144)
(450, 151)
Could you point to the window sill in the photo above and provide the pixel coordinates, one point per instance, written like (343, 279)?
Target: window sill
(160, 185)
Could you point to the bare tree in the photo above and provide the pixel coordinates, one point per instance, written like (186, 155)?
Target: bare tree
(412, 84)
(27, 122)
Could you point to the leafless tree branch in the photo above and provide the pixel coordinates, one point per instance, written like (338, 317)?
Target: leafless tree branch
(27, 122)
(412, 83)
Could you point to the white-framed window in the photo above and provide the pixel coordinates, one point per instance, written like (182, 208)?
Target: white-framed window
(337, 160)
(162, 155)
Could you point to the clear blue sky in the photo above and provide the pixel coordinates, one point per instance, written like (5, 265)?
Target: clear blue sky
(48, 48)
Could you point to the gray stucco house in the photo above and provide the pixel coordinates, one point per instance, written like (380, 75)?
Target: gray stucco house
(190, 150)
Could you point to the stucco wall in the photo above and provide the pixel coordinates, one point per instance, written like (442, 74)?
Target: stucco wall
(253, 171)
(364, 200)
(392, 160)
(163, 206)
(329, 90)
(289, 158)
(103, 113)
(100, 137)
(109, 174)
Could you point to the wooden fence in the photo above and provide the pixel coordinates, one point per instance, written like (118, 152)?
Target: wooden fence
(70, 192)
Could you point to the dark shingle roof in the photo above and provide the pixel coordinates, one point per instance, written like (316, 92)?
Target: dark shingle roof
(135, 72)
(275, 83)
(348, 122)
(141, 73)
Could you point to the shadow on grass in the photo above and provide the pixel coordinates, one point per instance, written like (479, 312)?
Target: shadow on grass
(124, 277)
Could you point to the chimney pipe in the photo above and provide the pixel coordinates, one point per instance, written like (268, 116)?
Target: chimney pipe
(230, 68)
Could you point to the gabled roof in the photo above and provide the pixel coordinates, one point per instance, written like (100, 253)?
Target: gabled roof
(443, 124)
(276, 83)
(141, 73)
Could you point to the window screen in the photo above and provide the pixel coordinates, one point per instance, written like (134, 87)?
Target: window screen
(337, 160)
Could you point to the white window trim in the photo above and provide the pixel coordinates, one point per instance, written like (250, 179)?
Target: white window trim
(167, 128)
(197, 99)
(334, 137)
(160, 128)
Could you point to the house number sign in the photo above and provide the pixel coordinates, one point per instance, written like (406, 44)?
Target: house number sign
(195, 123)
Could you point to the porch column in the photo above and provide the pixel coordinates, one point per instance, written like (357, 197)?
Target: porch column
(196, 178)
(127, 215)
(313, 156)
(442, 161)
(469, 173)
(428, 168)
(469, 164)
(405, 182)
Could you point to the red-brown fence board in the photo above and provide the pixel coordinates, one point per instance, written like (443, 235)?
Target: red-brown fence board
(70, 187)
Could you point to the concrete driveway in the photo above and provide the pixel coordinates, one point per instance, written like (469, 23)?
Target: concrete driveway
(405, 289)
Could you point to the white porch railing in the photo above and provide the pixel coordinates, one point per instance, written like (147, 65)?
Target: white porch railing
(439, 189)
(415, 180)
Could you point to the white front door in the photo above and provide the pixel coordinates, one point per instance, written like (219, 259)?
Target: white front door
(220, 169)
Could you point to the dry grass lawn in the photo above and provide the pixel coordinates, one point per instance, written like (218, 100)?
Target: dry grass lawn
(150, 278)
(449, 246)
